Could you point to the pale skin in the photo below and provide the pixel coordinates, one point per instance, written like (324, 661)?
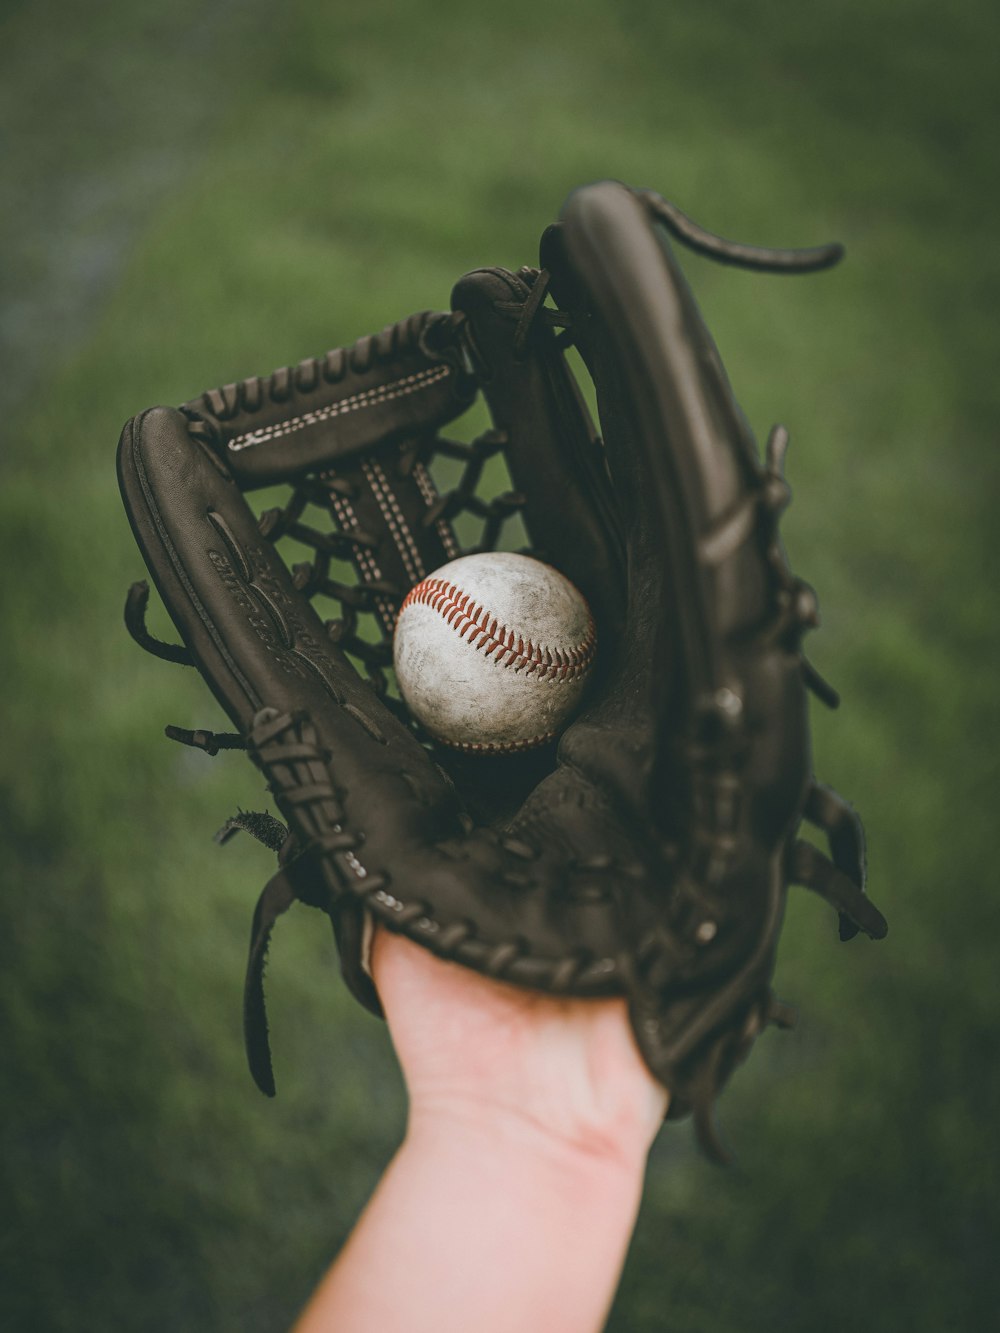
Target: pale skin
(511, 1202)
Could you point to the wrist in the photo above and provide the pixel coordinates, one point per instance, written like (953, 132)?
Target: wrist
(523, 1140)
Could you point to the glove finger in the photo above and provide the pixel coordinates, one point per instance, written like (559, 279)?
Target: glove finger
(684, 468)
(551, 448)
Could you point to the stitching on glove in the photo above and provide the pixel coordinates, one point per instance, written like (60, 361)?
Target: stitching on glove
(428, 490)
(395, 521)
(385, 393)
(367, 564)
(483, 631)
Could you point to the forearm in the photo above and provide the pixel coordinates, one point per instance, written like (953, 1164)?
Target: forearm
(494, 1226)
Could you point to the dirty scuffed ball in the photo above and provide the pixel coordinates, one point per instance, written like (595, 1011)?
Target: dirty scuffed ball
(492, 652)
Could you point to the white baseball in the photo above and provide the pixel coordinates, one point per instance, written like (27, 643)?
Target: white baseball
(492, 652)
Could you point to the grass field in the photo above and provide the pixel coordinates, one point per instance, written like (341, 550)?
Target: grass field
(196, 192)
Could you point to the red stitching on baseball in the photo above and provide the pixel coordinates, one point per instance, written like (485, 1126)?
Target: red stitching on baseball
(558, 664)
(502, 747)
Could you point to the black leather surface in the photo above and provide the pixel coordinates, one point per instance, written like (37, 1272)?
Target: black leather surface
(650, 853)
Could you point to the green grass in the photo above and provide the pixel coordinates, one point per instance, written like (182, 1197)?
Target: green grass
(201, 192)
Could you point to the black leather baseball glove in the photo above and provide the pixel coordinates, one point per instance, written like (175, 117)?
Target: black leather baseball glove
(647, 852)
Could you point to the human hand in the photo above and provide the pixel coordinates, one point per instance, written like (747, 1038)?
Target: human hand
(482, 1051)
(511, 1201)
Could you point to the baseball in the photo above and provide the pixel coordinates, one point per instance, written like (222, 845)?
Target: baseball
(492, 652)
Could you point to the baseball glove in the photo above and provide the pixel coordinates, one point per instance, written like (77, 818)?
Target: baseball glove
(648, 852)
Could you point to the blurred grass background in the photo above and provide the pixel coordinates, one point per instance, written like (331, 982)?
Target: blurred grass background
(198, 191)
